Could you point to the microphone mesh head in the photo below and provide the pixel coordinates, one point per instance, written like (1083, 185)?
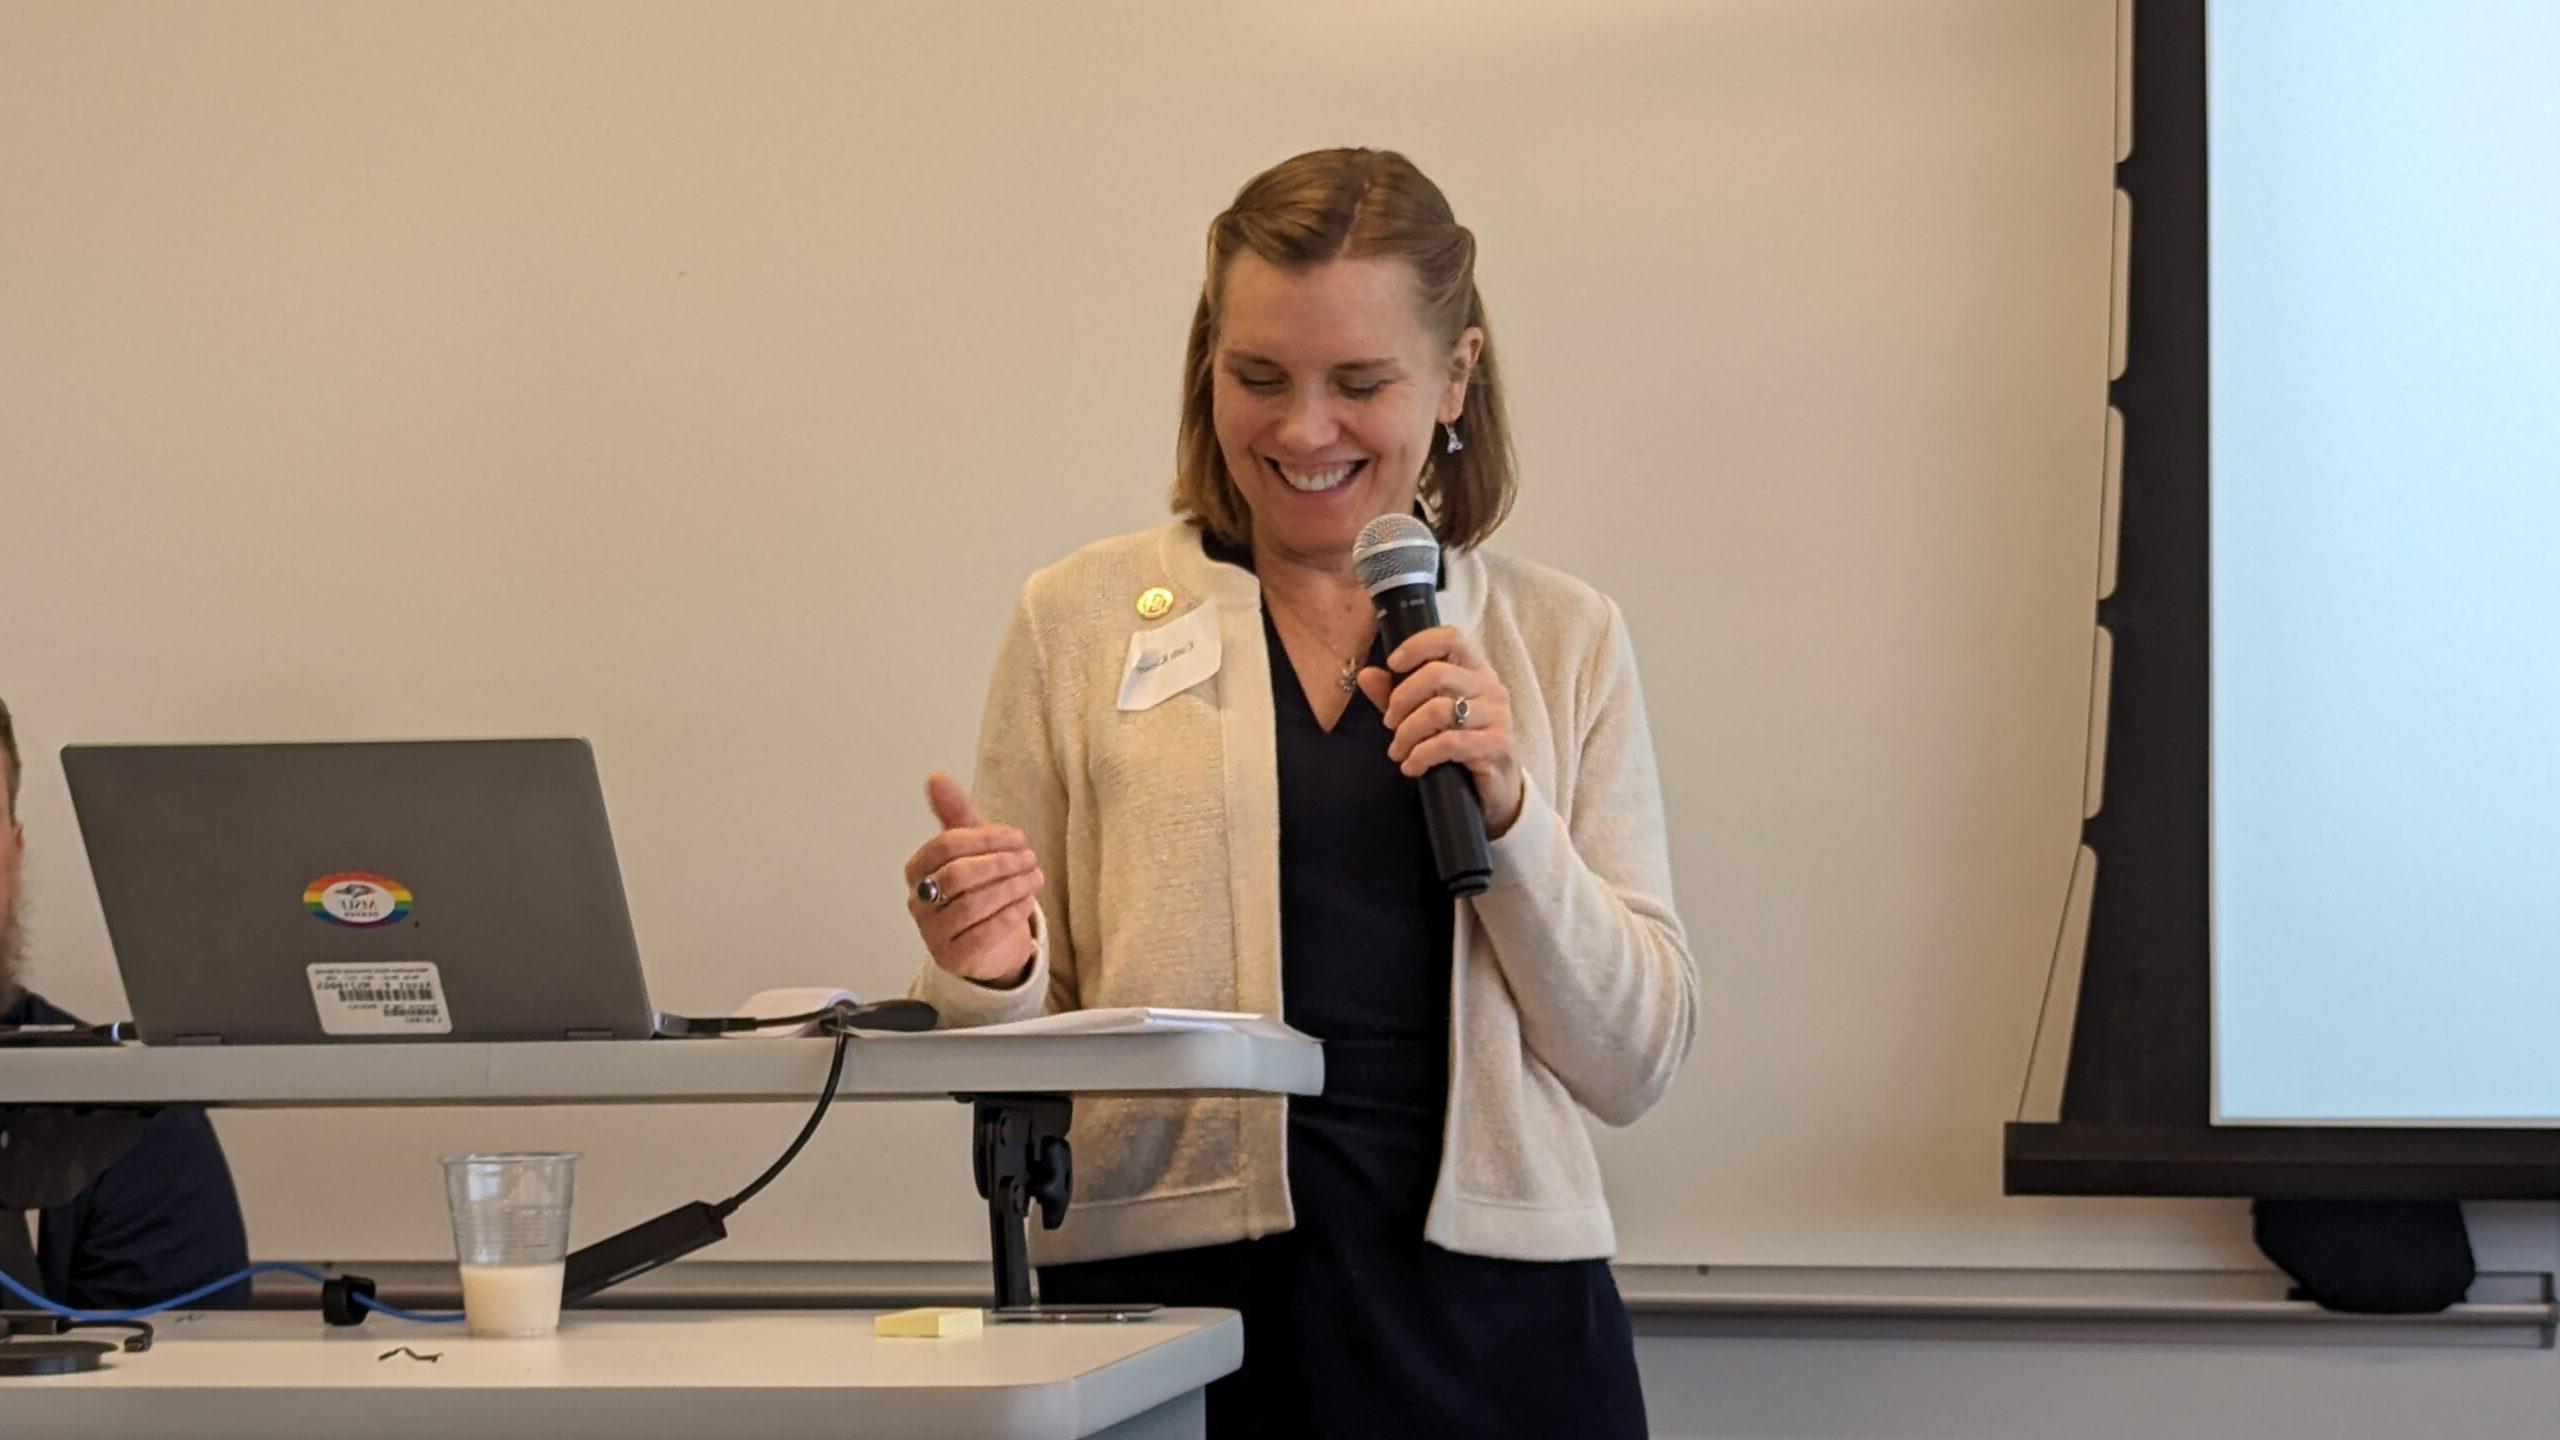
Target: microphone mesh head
(1393, 549)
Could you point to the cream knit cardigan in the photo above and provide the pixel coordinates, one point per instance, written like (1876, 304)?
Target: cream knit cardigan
(1572, 985)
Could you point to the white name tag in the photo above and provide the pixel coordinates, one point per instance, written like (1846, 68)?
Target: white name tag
(388, 997)
(1170, 659)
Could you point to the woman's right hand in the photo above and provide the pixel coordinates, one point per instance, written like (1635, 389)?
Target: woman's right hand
(988, 882)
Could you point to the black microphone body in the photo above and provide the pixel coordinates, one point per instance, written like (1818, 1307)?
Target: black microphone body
(1408, 601)
(1451, 809)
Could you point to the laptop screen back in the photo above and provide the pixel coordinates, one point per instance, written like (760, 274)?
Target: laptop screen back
(362, 892)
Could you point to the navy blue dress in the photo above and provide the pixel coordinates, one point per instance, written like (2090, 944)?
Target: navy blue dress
(1354, 1324)
(160, 1221)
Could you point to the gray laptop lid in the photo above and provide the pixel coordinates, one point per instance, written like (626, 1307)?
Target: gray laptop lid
(423, 890)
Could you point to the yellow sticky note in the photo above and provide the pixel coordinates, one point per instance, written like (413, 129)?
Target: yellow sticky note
(930, 1322)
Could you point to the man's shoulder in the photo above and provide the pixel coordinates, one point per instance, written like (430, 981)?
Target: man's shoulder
(31, 1008)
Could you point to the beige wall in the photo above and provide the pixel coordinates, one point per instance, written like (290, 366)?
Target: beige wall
(704, 378)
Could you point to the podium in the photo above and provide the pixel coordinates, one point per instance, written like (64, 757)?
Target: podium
(1021, 1088)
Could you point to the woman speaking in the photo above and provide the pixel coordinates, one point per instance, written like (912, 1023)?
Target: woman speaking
(1221, 813)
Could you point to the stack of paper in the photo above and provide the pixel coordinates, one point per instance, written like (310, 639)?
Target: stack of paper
(1132, 1020)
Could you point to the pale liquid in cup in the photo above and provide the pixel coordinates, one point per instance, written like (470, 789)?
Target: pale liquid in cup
(508, 1300)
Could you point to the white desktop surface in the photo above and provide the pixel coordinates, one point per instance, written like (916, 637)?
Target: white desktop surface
(774, 1375)
(573, 1072)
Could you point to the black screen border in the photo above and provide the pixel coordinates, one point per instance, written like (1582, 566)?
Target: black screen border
(2135, 1116)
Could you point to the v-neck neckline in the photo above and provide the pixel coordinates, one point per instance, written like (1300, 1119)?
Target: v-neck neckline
(1298, 700)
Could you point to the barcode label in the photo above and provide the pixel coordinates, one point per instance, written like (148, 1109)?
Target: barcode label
(404, 997)
(386, 993)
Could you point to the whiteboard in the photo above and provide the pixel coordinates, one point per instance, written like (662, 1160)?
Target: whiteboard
(704, 378)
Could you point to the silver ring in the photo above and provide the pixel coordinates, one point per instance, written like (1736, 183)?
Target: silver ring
(1458, 714)
(929, 892)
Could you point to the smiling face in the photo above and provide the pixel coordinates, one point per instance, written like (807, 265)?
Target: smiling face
(1326, 393)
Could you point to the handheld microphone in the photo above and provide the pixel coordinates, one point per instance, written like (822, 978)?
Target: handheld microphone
(1398, 561)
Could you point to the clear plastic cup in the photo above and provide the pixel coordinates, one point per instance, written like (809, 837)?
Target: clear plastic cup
(511, 1235)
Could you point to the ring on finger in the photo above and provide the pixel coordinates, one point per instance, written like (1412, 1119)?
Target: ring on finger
(930, 891)
(1458, 713)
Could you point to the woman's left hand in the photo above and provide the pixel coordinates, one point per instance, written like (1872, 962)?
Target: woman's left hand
(1441, 667)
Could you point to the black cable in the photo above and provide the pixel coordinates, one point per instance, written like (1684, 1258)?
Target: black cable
(826, 1097)
(695, 1224)
(775, 1022)
(900, 1014)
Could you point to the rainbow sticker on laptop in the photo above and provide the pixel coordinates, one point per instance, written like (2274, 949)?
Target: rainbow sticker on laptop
(357, 898)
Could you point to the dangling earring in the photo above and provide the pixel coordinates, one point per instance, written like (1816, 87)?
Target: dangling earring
(1455, 444)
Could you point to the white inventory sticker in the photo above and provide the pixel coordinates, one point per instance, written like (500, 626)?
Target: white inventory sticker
(380, 997)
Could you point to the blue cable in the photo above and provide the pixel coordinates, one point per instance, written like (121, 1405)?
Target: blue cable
(267, 1267)
(424, 1317)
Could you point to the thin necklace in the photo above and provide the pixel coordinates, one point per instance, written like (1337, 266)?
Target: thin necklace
(1349, 677)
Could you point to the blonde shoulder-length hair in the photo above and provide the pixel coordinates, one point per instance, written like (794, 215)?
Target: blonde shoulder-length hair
(1351, 204)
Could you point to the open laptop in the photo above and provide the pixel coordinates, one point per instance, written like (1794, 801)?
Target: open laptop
(361, 892)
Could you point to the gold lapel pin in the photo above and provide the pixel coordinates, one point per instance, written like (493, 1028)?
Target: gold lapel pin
(1153, 602)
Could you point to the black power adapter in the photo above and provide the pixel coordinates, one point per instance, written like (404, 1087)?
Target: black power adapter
(690, 1226)
(642, 1248)
(598, 1267)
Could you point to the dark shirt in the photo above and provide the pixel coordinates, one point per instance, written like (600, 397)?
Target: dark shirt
(1364, 924)
(160, 1221)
